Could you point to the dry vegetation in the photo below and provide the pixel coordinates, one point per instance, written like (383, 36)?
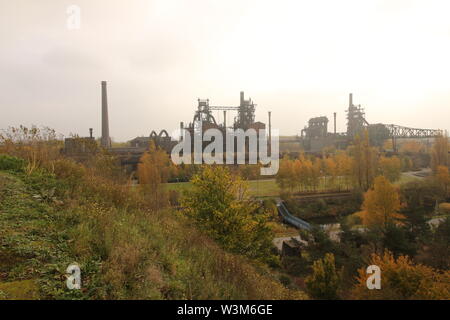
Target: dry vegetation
(54, 212)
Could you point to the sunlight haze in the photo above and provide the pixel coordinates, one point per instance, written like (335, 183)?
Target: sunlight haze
(298, 59)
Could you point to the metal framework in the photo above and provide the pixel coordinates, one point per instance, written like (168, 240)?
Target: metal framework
(396, 131)
(245, 116)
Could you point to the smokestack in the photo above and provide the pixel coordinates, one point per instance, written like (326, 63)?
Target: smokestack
(105, 141)
(350, 100)
(90, 132)
(270, 133)
(181, 130)
(242, 98)
(335, 123)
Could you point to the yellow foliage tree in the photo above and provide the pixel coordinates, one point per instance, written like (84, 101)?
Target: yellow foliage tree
(439, 153)
(390, 168)
(443, 179)
(153, 171)
(402, 279)
(285, 174)
(331, 170)
(364, 161)
(412, 147)
(344, 165)
(381, 205)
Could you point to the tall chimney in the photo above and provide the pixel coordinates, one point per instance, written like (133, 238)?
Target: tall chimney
(350, 100)
(270, 133)
(242, 98)
(181, 130)
(90, 133)
(105, 141)
(334, 123)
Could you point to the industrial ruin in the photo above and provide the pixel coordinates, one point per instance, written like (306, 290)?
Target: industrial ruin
(81, 148)
(313, 139)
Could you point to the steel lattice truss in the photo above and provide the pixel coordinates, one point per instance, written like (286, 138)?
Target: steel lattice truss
(396, 131)
(223, 108)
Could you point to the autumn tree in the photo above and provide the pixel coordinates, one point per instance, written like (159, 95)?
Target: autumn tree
(402, 279)
(442, 177)
(364, 161)
(153, 171)
(439, 153)
(285, 175)
(407, 163)
(219, 203)
(331, 170)
(390, 168)
(381, 205)
(324, 282)
(344, 164)
(411, 147)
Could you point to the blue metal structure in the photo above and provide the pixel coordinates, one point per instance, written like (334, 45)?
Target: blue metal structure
(290, 219)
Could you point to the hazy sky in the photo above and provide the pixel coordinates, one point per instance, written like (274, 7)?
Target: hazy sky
(298, 59)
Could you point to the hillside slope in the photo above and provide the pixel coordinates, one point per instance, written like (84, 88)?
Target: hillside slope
(123, 252)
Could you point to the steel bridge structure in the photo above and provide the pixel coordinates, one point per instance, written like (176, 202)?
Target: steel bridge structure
(396, 131)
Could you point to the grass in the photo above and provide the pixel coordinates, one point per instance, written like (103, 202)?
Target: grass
(405, 178)
(33, 246)
(257, 188)
(124, 252)
(269, 188)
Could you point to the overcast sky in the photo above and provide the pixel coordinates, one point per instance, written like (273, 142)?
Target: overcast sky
(298, 59)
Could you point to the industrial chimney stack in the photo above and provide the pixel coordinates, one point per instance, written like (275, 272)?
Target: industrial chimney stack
(334, 123)
(225, 119)
(350, 100)
(270, 133)
(181, 131)
(105, 141)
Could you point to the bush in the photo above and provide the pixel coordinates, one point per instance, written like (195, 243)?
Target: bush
(9, 163)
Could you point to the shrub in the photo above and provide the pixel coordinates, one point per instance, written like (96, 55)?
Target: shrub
(9, 163)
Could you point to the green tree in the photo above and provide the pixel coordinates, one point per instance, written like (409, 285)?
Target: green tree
(436, 253)
(325, 279)
(219, 203)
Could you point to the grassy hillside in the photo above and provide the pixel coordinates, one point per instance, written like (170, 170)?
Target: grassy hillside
(125, 250)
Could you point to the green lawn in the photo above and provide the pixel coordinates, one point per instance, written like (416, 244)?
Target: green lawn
(269, 187)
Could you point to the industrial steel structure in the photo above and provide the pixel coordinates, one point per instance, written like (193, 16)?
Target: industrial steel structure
(315, 136)
(83, 148)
